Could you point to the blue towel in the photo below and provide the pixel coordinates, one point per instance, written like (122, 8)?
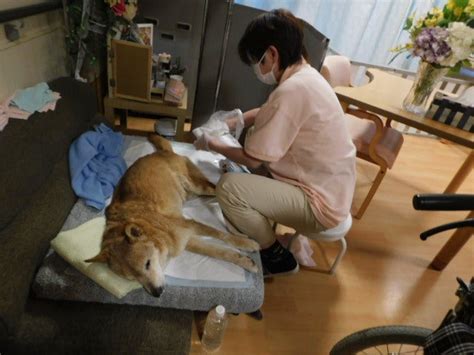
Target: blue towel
(34, 98)
(96, 165)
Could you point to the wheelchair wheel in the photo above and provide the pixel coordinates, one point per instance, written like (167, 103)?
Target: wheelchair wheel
(383, 340)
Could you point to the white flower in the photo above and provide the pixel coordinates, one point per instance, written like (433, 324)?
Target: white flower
(461, 41)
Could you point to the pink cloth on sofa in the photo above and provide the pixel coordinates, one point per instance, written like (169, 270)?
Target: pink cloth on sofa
(48, 107)
(9, 110)
(3, 120)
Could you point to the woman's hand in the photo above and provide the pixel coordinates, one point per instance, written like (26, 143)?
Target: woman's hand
(202, 143)
(232, 123)
(241, 120)
(235, 120)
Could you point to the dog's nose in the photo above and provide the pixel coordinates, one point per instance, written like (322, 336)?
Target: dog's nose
(156, 291)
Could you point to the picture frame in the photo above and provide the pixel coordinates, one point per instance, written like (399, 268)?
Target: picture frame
(145, 30)
(131, 70)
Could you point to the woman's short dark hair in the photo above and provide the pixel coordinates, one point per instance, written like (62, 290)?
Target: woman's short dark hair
(279, 28)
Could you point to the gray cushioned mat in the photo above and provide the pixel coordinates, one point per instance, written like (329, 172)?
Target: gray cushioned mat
(58, 280)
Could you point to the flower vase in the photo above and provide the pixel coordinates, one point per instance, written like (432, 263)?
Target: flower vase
(425, 81)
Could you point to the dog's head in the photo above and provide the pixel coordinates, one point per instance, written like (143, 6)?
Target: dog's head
(132, 254)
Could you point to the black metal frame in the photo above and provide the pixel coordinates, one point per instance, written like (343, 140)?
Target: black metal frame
(16, 13)
(445, 202)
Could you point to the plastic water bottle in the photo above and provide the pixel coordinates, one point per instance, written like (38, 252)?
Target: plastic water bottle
(214, 329)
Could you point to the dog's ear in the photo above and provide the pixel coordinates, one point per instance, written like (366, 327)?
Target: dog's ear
(102, 257)
(133, 232)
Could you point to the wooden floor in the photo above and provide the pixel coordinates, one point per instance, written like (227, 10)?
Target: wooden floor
(383, 278)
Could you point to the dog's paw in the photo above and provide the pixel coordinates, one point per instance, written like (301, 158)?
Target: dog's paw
(245, 244)
(208, 189)
(248, 264)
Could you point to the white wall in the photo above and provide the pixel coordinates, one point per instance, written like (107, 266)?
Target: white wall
(39, 54)
(10, 4)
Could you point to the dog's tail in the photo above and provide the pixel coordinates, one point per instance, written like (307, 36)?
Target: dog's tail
(160, 143)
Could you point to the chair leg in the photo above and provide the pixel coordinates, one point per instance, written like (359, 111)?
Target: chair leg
(334, 264)
(370, 195)
(461, 175)
(339, 256)
(258, 315)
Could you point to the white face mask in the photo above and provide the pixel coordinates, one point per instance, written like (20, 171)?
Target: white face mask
(268, 78)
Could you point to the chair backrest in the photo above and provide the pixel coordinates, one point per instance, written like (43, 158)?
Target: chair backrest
(337, 70)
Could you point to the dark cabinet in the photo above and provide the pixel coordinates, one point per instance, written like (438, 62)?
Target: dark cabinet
(205, 35)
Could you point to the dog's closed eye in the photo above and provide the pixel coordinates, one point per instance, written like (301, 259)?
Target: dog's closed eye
(147, 265)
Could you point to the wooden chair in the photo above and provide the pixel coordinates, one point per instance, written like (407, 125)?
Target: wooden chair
(376, 142)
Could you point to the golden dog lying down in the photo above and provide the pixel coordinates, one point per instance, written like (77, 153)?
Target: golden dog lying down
(145, 227)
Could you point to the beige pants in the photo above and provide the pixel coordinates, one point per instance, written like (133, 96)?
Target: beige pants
(250, 201)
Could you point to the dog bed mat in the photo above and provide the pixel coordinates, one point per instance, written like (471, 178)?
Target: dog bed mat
(57, 279)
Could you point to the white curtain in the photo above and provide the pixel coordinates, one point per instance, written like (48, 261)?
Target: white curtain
(363, 30)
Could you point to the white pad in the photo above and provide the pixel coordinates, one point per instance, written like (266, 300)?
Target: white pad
(83, 242)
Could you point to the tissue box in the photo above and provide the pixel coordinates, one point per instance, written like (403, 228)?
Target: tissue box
(174, 92)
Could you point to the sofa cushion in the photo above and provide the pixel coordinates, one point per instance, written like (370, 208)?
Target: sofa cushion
(36, 194)
(26, 239)
(54, 327)
(29, 149)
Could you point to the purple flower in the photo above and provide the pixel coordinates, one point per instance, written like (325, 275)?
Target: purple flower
(431, 45)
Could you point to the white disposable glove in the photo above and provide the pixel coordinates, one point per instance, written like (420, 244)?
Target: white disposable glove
(236, 122)
(218, 127)
(213, 127)
(202, 143)
(221, 123)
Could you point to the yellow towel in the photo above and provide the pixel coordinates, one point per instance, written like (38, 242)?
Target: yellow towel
(82, 243)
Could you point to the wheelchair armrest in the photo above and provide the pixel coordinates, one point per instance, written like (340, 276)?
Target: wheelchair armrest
(466, 223)
(443, 202)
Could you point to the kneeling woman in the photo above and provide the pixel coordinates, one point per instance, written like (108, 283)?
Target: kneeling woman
(299, 135)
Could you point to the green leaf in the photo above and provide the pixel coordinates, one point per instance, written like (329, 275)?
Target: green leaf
(462, 3)
(393, 58)
(447, 14)
(408, 23)
(466, 63)
(443, 23)
(470, 22)
(456, 68)
(463, 17)
(415, 33)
